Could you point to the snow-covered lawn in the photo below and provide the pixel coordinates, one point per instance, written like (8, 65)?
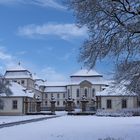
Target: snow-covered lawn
(75, 128)
(9, 119)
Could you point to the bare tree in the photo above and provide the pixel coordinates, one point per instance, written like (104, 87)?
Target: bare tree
(130, 72)
(114, 30)
(4, 86)
(4, 89)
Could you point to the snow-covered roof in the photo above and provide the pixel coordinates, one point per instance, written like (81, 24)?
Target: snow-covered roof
(35, 77)
(99, 81)
(94, 82)
(116, 90)
(56, 84)
(40, 82)
(37, 87)
(85, 73)
(55, 89)
(18, 91)
(16, 68)
(17, 72)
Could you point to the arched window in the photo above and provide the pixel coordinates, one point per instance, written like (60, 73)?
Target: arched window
(93, 92)
(86, 92)
(78, 93)
(68, 92)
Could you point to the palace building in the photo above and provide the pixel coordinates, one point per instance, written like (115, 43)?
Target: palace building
(27, 89)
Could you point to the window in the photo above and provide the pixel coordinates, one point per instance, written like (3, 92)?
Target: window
(93, 92)
(86, 92)
(46, 95)
(109, 104)
(77, 102)
(1, 104)
(63, 102)
(138, 103)
(58, 103)
(78, 93)
(124, 103)
(15, 104)
(22, 82)
(63, 95)
(58, 95)
(46, 103)
(68, 92)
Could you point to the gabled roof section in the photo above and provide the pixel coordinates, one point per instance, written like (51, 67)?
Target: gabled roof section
(17, 68)
(85, 81)
(18, 72)
(86, 73)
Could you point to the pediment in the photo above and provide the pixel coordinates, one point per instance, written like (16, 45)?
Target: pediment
(85, 83)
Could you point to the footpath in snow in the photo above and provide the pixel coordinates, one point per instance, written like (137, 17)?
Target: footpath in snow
(11, 119)
(76, 128)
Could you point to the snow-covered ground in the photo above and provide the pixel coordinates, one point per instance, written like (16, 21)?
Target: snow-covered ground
(75, 128)
(9, 119)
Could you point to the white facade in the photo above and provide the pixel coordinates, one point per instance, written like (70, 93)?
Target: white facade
(9, 103)
(20, 102)
(24, 92)
(117, 103)
(86, 83)
(116, 97)
(8, 106)
(81, 83)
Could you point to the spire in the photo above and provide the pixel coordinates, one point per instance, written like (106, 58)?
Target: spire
(19, 63)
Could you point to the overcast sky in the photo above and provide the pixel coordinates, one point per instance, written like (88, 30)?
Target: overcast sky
(42, 35)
